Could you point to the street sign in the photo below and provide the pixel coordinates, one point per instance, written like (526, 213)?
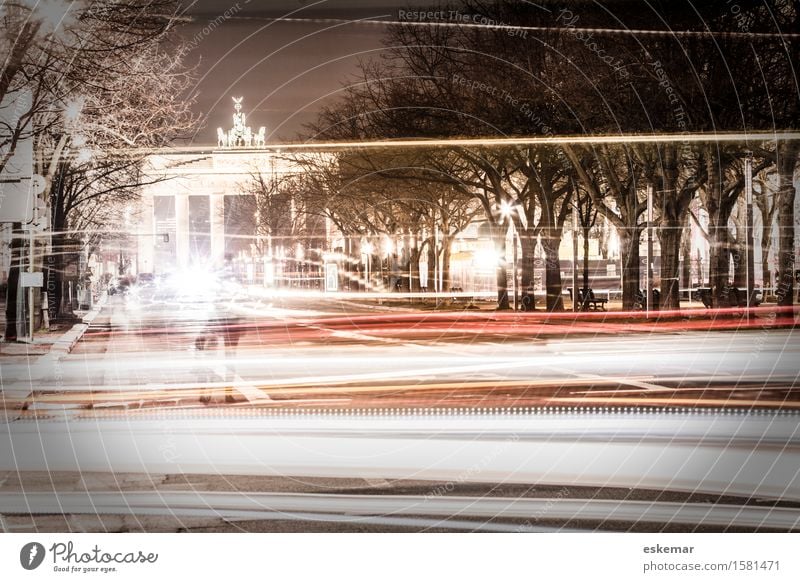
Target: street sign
(32, 279)
(16, 200)
(37, 184)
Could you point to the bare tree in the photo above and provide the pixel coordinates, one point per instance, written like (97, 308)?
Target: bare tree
(613, 179)
(53, 52)
(112, 91)
(451, 81)
(764, 197)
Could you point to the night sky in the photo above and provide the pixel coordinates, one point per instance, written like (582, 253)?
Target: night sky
(284, 70)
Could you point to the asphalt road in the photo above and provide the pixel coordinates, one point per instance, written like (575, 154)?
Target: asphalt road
(338, 355)
(355, 417)
(669, 470)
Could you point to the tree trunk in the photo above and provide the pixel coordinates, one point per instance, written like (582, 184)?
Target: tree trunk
(13, 282)
(413, 267)
(501, 271)
(347, 276)
(763, 205)
(431, 250)
(739, 246)
(585, 259)
(527, 271)
(447, 247)
(686, 254)
(669, 237)
(719, 265)
(739, 255)
(766, 272)
(785, 201)
(719, 212)
(629, 250)
(552, 273)
(375, 265)
(405, 266)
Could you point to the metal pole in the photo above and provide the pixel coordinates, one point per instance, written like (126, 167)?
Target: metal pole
(30, 289)
(574, 258)
(748, 191)
(649, 249)
(436, 262)
(514, 242)
(31, 309)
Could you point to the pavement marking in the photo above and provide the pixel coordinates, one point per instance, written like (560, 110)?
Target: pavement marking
(355, 335)
(248, 390)
(62, 410)
(697, 389)
(617, 379)
(378, 483)
(671, 401)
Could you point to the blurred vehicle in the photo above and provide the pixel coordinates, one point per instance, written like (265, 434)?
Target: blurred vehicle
(146, 280)
(119, 285)
(144, 291)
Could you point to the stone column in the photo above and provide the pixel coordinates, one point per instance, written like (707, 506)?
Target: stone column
(147, 238)
(182, 231)
(217, 219)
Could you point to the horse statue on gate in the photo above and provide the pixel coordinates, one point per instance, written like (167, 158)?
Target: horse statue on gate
(241, 134)
(260, 139)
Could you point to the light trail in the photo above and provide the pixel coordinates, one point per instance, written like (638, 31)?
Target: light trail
(347, 385)
(745, 138)
(753, 455)
(480, 22)
(260, 505)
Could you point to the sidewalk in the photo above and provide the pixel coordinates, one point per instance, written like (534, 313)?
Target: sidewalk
(44, 342)
(460, 304)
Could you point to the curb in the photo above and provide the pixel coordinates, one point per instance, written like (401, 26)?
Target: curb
(64, 345)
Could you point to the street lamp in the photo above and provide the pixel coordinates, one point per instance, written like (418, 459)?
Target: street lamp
(748, 222)
(506, 210)
(576, 304)
(366, 249)
(649, 228)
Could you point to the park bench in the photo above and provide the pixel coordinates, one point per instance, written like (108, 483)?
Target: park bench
(592, 301)
(587, 299)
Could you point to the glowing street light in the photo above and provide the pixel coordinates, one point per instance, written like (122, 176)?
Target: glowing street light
(73, 109)
(388, 246)
(506, 211)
